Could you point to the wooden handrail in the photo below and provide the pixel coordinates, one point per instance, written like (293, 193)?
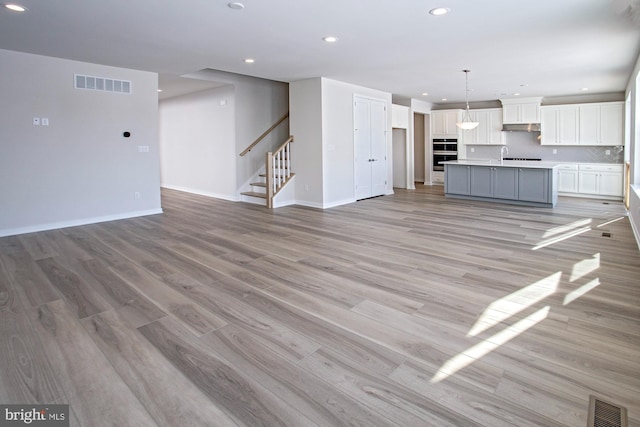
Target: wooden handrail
(283, 144)
(267, 132)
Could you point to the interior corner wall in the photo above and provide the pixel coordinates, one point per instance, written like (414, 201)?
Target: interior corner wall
(305, 101)
(79, 169)
(337, 140)
(259, 104)
(197, 143)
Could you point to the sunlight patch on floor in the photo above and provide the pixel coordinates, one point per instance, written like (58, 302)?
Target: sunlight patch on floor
(577, 293)
(563, 229)
(485, 347)
(502, 309)
(610, 222)
(584, 267)
(544, 243)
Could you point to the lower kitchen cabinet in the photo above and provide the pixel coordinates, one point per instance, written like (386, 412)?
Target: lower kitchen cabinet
(591, 179)
(568, 178)
(533, 185)
(604, 180)
(530, 186)
(496, 182)
(457, 180)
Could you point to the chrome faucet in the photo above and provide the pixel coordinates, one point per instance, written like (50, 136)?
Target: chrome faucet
(503, 150)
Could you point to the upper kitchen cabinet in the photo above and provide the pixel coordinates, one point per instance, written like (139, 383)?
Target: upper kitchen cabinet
(399, 116)
(583, 124)
(489, 129)
(443, 123)
(559, 125)
(521, 110)
(601, 123)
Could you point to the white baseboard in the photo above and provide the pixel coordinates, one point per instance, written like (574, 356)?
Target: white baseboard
(76, 222)
(202, 193)
(338, 203)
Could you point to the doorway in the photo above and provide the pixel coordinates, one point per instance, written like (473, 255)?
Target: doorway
(370, 125)
(399, 155)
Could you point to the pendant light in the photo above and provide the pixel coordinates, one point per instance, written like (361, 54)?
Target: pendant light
(467, 123)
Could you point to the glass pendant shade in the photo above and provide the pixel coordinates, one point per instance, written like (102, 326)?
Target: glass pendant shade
(467, 123)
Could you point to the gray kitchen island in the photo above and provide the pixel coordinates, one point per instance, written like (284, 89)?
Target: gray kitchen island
(508, 181)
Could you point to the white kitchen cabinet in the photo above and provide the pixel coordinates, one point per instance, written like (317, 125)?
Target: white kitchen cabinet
(521, 110)
(560, 125)
(488, 131)
(583, 124)
(601, 179)
(443, 123)
(568, 178)
(399, 116)
(601, 123)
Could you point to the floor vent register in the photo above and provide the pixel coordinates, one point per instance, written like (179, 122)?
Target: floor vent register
(606, 414)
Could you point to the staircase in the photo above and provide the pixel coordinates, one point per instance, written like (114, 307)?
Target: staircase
(277, 169)
(277, 174)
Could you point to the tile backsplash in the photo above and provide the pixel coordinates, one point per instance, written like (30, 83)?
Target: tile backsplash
(525, 144)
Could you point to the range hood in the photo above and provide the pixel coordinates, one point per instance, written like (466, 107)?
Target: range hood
(531, 127)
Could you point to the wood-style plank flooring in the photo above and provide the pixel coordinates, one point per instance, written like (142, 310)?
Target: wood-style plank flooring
(402, 310)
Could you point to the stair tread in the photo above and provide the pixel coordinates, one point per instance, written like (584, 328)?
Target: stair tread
(259, 184)
(254, 194)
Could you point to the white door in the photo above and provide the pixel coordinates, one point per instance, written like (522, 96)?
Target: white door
(370, 139)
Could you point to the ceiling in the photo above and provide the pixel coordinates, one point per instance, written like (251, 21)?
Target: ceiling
(535, 48)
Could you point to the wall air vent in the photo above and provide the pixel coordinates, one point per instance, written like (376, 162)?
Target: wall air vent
(103, 84)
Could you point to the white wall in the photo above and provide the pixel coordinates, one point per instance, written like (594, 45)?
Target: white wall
(259, 103)
(197, 143)
(306, 126)
(337, 136)
(79, 169)
(323, 154)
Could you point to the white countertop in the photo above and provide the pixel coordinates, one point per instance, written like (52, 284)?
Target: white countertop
(505, 163)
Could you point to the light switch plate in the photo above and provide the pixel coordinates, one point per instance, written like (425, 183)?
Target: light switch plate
(36, 121)
(45, 121)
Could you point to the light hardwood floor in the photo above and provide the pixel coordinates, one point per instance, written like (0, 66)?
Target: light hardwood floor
(405, 310)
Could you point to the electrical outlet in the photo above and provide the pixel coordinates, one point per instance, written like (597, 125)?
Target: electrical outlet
(473, 150)
(36, 121)
(607, 152)
(45, 121)
(143, 148)
(136, 195)
(555, 151)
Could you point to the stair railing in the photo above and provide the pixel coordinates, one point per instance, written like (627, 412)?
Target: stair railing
(278, 170)
(264, 134)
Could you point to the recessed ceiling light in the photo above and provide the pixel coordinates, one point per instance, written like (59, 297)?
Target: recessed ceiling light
(425, 94)
(249, 60)
(585, 88)
(444, 99)
(330, 39)
(15, 7)
(516, 94)
(159, 90)
(236, 5)
(439, 11)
